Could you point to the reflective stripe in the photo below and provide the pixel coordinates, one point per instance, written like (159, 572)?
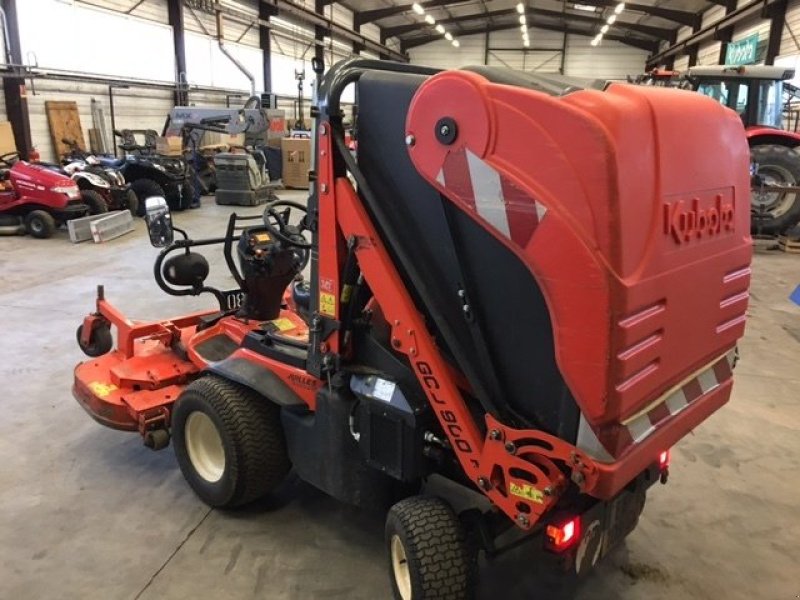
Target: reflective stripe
(617, 439)
(486, 186)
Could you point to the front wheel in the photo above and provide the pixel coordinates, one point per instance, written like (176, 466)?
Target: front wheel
(40, 224)
(131, 202)
(775, 212)
(429, 554)
(229, 442)
(96, 203)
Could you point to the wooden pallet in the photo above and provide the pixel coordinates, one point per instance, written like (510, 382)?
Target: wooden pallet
(65, 123)
(789, 245)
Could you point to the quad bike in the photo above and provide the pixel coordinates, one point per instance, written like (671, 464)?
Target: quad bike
(98, 182)
(152, 175)
(513, 313)
(35, 199)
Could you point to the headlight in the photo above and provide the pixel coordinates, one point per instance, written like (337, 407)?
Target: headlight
(71, 191)
(160, 167)
(115, 176)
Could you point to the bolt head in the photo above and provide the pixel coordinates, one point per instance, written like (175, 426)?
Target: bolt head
(410, 140)
(523, 520)
(444, 130)
(484, 483)
(511, 448)
(494, 434)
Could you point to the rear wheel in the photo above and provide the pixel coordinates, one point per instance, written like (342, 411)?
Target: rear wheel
(429, 555)
(40, 224)
(229, 442)
(144, 189)
(775, 212)
(96, 203)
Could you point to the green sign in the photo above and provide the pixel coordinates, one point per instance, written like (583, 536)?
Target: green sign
(743, 52)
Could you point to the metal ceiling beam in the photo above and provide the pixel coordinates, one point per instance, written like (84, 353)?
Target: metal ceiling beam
(761, 8)
(656, 32)
(368, 16)
(310, 17)
(648, 45)
(677, 16)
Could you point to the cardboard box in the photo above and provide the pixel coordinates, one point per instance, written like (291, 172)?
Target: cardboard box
(172, 145)
(296, 154)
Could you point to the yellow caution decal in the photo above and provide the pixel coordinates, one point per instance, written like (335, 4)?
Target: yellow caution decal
(283, 324)
(100, 389)
(527, 491)
(327, 304)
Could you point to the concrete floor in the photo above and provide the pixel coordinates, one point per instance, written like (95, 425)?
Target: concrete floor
(86, 512)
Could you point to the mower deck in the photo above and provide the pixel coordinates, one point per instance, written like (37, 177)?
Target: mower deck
(133, 387)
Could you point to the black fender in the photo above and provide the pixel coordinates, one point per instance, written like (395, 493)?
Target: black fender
(257, 378)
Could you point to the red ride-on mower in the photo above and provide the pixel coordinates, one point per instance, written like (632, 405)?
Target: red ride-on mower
(36, 197)
(529, 294)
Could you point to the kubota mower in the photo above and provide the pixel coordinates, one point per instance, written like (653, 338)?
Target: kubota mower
(522, 295)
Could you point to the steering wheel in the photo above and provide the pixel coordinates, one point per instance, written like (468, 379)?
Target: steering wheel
(278, 223)
(6, 159)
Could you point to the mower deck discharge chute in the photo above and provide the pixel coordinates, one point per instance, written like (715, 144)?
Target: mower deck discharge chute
(532, 291)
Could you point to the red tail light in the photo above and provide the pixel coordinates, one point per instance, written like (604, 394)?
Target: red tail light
(663, 460)
(562, 536)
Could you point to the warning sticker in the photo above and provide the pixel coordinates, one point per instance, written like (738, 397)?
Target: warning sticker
(283, 324)
(527, 491)
(100, 389)
(327, 304)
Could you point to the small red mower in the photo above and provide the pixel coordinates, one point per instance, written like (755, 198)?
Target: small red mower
(37, 197)
(521, 296)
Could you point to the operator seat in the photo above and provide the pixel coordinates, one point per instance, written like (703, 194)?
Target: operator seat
(444, 241)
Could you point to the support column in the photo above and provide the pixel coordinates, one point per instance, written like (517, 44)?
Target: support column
(175, 16)
(692, 56)
(777, 14)
(265, 11)
(14, 87)
(319, 32)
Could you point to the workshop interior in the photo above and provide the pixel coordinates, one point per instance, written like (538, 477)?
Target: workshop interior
(363, 299)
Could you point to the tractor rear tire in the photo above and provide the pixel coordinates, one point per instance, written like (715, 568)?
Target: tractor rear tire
(96, 203)
(429, 553)
(40, 224)
(778, 165)
(229, 442)
(132, 202)
(144, 189)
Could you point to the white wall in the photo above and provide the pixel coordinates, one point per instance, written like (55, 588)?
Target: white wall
(610, 60)
(94, 45)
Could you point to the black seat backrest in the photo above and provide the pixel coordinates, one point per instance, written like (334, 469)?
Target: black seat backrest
(447, 245)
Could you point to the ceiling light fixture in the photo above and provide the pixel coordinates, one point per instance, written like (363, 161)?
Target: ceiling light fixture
(611, 19)
(520, 8)
(619, 8)
(430, 20)
(448, 36)
(440, 28)
(418, 8)
(456, 43)
(604, 29)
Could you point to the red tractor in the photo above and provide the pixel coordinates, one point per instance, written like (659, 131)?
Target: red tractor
(758, 94)
(507, 324)
(36, 197)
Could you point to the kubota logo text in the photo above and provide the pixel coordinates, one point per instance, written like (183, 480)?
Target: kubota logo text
(686, 220)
